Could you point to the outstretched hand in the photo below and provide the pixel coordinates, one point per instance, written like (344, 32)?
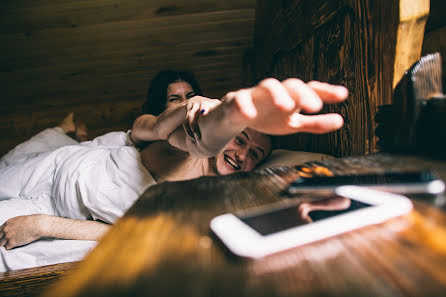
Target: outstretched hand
(19, 231)
(274, 107)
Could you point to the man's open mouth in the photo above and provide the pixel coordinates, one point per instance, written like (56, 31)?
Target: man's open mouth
(232, 163)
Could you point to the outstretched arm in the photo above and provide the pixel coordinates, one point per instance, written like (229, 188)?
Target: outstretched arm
(150, 128)
(22, 230)
(272, 107)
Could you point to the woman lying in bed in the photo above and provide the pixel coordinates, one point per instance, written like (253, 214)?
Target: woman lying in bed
(167, 88)
(203, 137)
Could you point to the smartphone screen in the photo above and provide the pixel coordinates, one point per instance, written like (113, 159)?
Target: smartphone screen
(275, 227)
(304, 213)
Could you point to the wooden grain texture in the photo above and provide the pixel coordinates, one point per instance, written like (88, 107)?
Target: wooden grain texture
(32, 282)
(413, 17)
(35, 15)
(163, 247)
(62, 56)
(358, 44)
(437, 15)
(435, 41)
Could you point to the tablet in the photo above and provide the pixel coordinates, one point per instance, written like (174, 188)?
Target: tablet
(276, 227)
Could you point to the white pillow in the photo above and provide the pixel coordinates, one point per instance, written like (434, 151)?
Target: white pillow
(281, 157)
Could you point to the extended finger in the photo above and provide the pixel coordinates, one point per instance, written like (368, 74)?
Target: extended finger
(243, 102)
(305, 97)
(189, 119)
(192, 112)
(329, 93)
(273, 89)
(316, 124)
(188, 130)
(194, 124)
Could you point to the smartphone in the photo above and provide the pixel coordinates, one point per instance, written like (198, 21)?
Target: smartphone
(417, 182)
(276, 227)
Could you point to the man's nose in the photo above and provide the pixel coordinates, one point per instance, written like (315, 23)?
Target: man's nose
(241, 155)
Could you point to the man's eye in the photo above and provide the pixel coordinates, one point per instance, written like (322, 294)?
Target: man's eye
(190, 95)
(173, 99)
(239, 141)
(254, 154)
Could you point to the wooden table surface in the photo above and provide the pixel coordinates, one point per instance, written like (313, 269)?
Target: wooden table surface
(32, 281)
(163, 247)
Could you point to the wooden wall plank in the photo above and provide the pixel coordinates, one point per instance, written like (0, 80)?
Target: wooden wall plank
(413, 17)
(105, 83)
(95, 56)
(435, 41)
(437, 15)
(115, 31)
(28, 15)
(352, 43)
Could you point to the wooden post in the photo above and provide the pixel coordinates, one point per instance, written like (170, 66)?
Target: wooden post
(413, 17)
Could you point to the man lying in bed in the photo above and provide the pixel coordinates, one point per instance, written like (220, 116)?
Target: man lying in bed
(54, 194)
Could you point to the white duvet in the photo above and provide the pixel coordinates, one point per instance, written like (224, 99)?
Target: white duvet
(97, 180)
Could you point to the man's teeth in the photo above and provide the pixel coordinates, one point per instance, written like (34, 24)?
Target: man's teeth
(232, 163)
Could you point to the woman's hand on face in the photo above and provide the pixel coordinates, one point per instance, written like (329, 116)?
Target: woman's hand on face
(197, 106)
(20, 230)
(274, 107)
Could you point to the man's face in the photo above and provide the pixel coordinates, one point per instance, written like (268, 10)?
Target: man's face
(243, 153)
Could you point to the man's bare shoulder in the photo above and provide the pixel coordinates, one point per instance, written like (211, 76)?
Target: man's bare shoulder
(167, 163)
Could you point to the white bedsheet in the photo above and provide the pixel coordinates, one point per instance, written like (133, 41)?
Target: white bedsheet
(96, 180)
(47, 140)
(44, 252)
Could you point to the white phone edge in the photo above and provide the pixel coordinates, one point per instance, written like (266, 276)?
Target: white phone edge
(244, 241)
(432, 187)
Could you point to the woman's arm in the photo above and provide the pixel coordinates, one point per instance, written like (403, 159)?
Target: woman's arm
(148, 127)
(22, 230)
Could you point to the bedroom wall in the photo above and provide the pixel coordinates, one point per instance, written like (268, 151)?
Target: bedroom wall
(435, 34)
(365, 45)
(96, 57)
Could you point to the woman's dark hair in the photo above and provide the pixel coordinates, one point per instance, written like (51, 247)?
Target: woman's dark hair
(157, 92)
